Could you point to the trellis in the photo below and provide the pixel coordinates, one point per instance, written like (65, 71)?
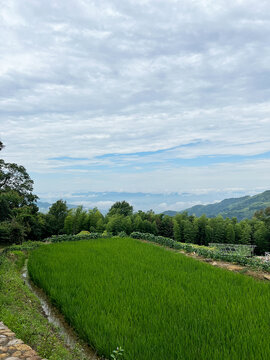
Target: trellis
(234, 249)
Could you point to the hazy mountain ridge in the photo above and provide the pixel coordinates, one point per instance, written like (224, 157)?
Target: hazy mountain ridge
(242, 207)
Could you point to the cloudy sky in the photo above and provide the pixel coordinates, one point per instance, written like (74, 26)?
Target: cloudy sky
(137, 96)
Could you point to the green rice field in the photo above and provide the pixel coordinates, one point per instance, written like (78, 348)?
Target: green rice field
(156, 304)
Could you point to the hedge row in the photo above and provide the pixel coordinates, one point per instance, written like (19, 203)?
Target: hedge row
(65, 237)
(202, 251)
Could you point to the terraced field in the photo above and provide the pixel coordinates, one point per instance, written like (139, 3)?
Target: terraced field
(154, 303)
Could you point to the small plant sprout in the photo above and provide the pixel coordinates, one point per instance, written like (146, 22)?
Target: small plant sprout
(116, 354)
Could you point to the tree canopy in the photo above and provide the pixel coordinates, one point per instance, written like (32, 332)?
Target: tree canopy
(14, 177)
(19, 217)
(121, 208)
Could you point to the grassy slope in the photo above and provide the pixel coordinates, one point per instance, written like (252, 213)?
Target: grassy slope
(20, 310)
(155, 303)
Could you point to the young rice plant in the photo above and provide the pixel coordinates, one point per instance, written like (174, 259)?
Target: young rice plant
(156, 304)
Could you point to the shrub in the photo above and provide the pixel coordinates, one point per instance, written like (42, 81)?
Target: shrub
(65, 237)
(83, 232)
(122, 234)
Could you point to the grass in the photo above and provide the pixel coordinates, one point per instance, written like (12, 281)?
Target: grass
(155, 304)
(20, 310)
(2, 247)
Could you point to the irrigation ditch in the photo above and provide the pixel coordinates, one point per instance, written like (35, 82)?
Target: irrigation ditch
(54, 316)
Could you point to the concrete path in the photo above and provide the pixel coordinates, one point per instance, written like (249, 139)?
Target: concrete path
(14, 349)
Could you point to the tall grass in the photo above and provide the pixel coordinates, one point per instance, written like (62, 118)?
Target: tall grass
(154, 303)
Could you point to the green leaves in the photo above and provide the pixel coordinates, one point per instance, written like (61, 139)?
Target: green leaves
(15, 177)
(116, 354)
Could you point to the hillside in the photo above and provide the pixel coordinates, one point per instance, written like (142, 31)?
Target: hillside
(243, 207)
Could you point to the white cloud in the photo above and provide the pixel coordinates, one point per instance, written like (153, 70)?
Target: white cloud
(81, 79)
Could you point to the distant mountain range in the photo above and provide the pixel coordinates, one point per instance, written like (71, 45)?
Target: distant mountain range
(241, 208)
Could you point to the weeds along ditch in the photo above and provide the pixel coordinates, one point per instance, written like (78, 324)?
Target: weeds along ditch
(154, 303)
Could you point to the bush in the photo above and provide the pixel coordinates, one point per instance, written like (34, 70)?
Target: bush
(65, 237)
(122, 234)
(83, 232)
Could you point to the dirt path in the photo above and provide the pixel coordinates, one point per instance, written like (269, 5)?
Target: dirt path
(257, 274)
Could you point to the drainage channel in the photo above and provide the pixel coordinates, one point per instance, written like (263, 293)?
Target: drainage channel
(57, 319)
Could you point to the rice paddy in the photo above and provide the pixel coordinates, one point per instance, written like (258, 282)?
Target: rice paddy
(156, 304)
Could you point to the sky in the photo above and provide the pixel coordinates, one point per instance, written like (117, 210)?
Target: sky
(148, 96)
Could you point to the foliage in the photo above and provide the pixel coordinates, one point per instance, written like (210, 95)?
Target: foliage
(80, 220)
(116, 354)
(65, 237)
(25, 246)
(56, 216)
(157, 304)
(19, 216)
(14, 177)
(121, 208)
(83, 232)
(122, 234)
(263, 215)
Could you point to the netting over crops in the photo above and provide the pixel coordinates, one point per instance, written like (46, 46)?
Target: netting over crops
(234, 249)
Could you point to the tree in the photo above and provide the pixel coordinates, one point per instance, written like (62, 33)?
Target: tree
(263, 215)
(116, 224)
(261, 238)
(202, 223)
(56, 217)
(68, 223)
(11, 232)
(246, 233)
(190, 232)
(208, 234)
(14, 177)
(138, 223)
(95, 220)
(165, 225)
(218, 226)
(147, 226)
(121, 208)
(230, 234)
(17, 232)
(1, 145)
(176, 231)
(18, 212)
